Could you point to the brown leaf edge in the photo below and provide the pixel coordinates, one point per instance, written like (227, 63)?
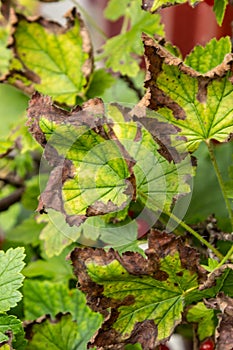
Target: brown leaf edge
(155, 55)
(92, 115)
(161, 244)
(223, 334)
(148, 4)
(52, 27)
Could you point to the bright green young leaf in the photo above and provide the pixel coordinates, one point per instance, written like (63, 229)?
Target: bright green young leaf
(204, 317)
(203, 59)
(199, 105)
(9, 323)
(219, 9)
(59, 64)
(64, 334)
(120, 49)
(212, 264)
(116, 9)
(11, 264)
(49, 298)
(134, 290)
(133, 347)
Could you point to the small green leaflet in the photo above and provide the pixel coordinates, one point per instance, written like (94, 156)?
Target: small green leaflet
(120, 49)
(219, 9)
(11, 264)
(204, 317)
(59, 64)
(199, 105)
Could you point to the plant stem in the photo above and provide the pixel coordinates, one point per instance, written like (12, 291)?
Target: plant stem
(197, 235)
(220, 180)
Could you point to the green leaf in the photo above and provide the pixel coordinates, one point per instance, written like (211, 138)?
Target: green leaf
(49, 298)
(118, 50)
(55, 268)
(219, 10)
(57, 234)
(101, 81)
(212, 264)
(11, 263)
(203, 59)
(13, 105)
(134, 290)
(64, 334)
(59, 64)
(116, 9)
(199, 105)
(200, 314)
(27, 232)
(133, 347)
(9, 323)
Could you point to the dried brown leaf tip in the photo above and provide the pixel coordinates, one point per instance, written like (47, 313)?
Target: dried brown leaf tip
(136, 294)
(224, 334)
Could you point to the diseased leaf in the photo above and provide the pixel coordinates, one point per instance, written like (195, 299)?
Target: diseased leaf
(204, 317)
(105, 159)
(59, 64)
(11, 264)
(63, 334)
(153, 5)
(138, 296)
(120, 50)
(11, 330)
(199, 105)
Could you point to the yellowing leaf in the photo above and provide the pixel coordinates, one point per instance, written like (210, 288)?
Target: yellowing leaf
(52, 59)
